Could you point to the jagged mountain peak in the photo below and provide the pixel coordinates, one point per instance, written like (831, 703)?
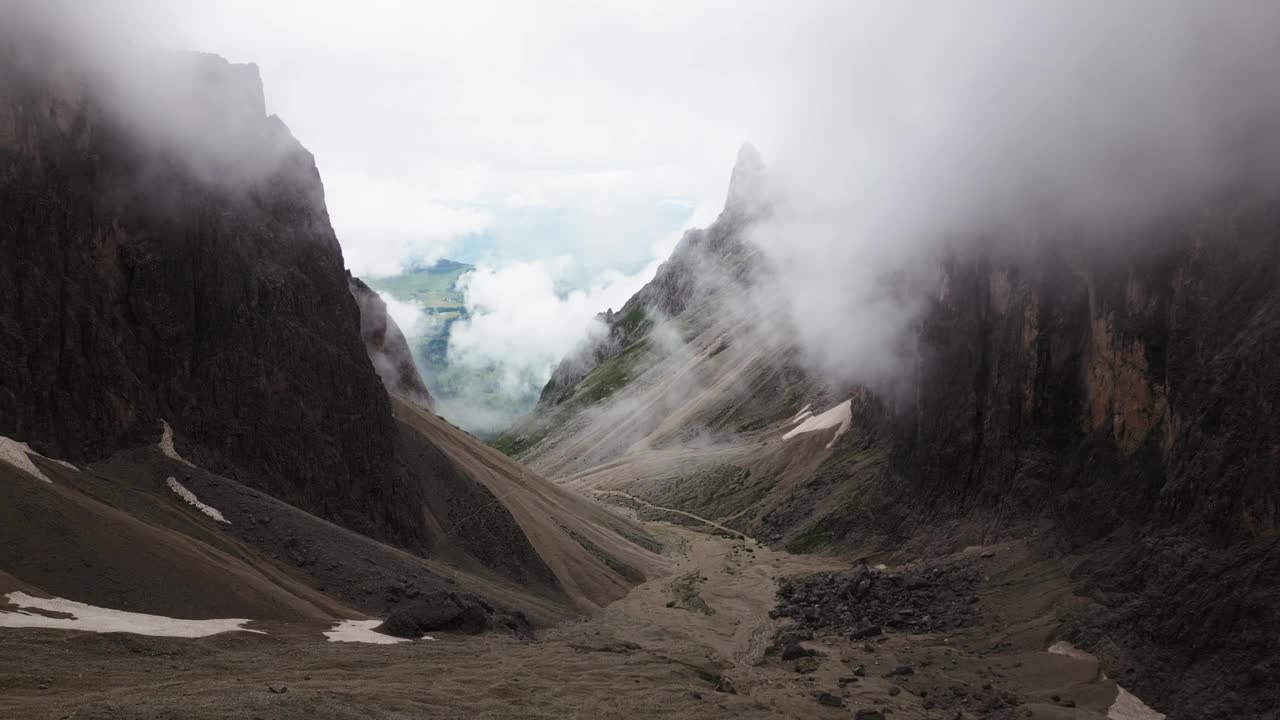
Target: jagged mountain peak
(746, 182)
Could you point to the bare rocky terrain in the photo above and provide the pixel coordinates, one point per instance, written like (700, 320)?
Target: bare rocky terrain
(670, 648)
(224, 491)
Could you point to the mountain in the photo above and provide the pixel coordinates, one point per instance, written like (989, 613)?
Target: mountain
(1112, 404)
(234, 418)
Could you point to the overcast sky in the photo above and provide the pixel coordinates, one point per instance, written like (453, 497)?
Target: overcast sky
(562, 146)
(513, 130)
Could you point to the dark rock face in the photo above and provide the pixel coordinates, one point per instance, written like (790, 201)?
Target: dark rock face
(1130, 397)
(387, 347)
(1110, 392)
(1113, 391)
(139, 287)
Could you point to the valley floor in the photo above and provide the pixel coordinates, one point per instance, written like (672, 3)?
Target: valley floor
(697, 643)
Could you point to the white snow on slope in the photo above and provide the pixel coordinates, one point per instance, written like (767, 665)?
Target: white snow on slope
(841, 415)
(361, 631)
(1062, 647)
(166, 444)
(18, 455)
(91, 618)
(1126, 706)
(804, 413)
(1129, 707)
(191, 499)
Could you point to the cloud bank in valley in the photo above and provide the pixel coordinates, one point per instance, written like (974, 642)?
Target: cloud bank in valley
(523, 319)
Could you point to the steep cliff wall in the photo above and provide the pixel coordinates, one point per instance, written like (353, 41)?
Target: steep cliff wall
(144, 287)
(1131, 401)
(387, 347)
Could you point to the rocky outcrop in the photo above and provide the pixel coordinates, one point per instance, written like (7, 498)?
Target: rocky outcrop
(387, 347)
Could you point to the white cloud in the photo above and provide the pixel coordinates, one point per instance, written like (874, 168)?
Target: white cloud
(426, 116)
(381, 223)
(407, 315)
(523, 321)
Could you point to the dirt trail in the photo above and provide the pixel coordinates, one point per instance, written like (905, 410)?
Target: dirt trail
(646, 504)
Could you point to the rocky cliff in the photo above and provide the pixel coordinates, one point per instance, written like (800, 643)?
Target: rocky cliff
(1110, 390)
(387, 347)
(1130, 401)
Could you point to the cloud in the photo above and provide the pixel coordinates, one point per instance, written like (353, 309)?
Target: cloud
(894, 132)
(384, 224)
(407, 315)
(996, 127)
(523, 320)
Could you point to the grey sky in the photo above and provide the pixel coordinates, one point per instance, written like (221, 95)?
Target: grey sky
(590, 129)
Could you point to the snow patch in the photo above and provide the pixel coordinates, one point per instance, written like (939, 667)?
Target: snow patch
(805, 412)
(1063, 647)
(90, 618)
(166, 445)
(1129, 707)
(18, 455)
(191, 499)
(361, 631)
(1126, 706)
(841, 415)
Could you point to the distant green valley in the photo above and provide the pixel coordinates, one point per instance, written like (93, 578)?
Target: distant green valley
(476, 397)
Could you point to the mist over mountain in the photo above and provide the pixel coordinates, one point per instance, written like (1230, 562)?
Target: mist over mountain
(793, 360)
